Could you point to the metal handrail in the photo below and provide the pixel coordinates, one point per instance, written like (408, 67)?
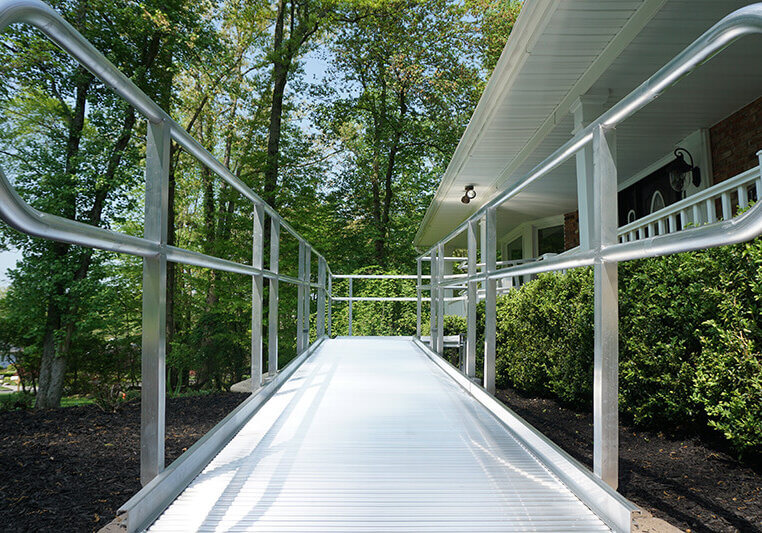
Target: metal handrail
(600, 247)
(153, 247)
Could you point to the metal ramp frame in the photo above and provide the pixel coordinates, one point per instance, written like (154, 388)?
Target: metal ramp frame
(494, 431)
(378, 434)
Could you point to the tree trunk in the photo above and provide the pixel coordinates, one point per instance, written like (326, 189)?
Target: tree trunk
(53, 364)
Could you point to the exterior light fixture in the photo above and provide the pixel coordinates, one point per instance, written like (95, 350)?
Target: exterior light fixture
(469, 195)
(680, 172)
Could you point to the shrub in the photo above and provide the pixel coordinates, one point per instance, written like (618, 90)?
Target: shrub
(16, 400)
(545, 337)
(689, 340)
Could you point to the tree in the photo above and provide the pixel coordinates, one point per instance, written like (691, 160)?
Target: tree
(412, 84)
(70, 155)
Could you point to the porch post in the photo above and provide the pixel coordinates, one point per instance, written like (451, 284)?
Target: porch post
(471, 301)
(587, 108)
(153, 358)
(606, 341)
(490, 301)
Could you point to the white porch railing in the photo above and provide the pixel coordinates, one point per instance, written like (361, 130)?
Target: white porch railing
(706, 207)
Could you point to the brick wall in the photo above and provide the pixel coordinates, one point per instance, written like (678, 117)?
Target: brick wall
(735, 142)
(571, 230)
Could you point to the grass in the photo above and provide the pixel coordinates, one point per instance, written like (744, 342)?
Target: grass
(74, 401)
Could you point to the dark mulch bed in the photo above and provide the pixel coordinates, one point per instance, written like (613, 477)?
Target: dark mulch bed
(679, 479)
(70, 469)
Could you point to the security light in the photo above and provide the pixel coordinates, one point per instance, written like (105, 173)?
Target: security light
(679, 170)
(470, 194)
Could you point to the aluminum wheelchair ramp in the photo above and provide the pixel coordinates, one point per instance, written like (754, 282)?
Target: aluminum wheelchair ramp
(369, 434)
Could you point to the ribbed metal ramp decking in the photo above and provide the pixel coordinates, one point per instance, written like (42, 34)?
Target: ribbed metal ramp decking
(370, 435)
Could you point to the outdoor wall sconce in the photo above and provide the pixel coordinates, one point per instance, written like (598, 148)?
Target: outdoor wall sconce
(470, 194)
(679, 169)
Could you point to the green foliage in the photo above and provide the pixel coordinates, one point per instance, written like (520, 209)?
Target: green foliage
(13, 401)
(689, 341)
(375, 318)
(110, 397)
(545, 337)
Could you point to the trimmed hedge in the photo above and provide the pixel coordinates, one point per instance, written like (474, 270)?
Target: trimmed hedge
(690, 341)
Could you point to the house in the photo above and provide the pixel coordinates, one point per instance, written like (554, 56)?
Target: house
(688, 158)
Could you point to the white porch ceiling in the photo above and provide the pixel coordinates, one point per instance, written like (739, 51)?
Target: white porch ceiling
(587, 46)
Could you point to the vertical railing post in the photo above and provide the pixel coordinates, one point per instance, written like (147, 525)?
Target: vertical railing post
(257, 287)
(300, 300)
(490, 300)
(154, 350)
(433, 300)
(471, 302)
(440, 299)
(349, 326)
(307, 293)
(320, 319)
(418, 305)
(606, 341)
(272, 315)
(329, 318)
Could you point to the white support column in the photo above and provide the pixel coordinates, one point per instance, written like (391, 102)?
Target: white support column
(320, 319)
(349, 327)
(300, 345)
(153, 359)
(257, 253)
(606, 349)
(433, 300)
(471, 301)
(586, 109)
(418, 304)
(490, 301)
(272, 317)
(440, 299)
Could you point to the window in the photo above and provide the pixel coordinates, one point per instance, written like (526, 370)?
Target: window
(657, 201)
(631, 216)
(515, 250)
(550, 240)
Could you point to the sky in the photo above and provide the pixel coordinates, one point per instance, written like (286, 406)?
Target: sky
(7, 261)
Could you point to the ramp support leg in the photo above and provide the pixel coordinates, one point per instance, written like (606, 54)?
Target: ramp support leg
(320, 318)
(153, 359)
(471, 302)
(440, 299)
(257, 288)
(490, 300)
(272, 317)
(433, 300)
(418, 309)
(349, 326)
(606, 349)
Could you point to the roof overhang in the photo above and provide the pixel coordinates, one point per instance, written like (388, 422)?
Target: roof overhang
(560, 51)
